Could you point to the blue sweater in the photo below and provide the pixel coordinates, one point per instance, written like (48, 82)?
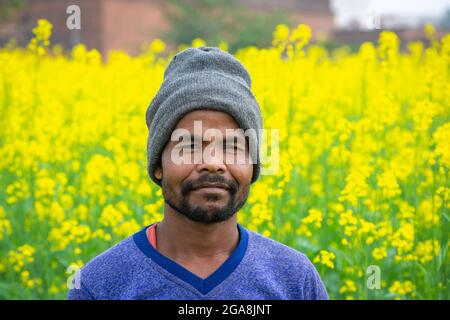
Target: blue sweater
(258, 268)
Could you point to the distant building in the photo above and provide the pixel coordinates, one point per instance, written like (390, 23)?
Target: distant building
(408, 29)
(407, 22)
(128, 24)
(105, 24)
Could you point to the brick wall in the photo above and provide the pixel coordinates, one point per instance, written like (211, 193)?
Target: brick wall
(128, 25)
(55, 11)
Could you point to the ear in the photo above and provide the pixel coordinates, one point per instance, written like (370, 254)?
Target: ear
(158, 173)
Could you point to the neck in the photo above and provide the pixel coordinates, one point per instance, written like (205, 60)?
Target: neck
(180, 237)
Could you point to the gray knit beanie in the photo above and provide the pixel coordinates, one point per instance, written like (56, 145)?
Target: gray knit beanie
(201, 78)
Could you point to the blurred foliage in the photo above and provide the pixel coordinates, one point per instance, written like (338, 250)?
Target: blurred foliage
(445, 20)
(9, 7)
(220, 20)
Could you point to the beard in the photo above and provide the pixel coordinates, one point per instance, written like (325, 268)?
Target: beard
(208, 211)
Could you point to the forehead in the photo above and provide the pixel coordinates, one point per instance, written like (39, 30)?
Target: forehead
(209, 119)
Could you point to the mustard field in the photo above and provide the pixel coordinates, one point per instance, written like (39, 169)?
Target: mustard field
(362, 186)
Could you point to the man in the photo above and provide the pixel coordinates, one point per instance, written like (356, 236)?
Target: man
(198, 250)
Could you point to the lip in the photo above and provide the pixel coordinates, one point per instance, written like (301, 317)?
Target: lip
(212, 187)
(211, 190)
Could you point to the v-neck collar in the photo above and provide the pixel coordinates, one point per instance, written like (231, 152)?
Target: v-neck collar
(202, 285)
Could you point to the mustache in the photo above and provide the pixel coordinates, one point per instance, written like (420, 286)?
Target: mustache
(189, 185)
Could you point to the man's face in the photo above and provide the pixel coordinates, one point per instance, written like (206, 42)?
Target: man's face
(213, 188)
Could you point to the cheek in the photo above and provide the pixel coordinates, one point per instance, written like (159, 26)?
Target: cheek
(174, 173)
(242, 173)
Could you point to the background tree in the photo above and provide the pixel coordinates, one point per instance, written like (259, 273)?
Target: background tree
(445, 20)
(218, 20)
(9, 7)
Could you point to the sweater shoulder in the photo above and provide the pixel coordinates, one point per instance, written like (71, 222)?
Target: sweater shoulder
(272, 249)
(120, 253)
(287, 266)
(109, 269)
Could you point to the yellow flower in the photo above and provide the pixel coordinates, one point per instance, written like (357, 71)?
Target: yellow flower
(223, 45)
(388, 50)
(198, 42)
(423, 113)
(313, 219)
(157, 46)
(53, 289)
(387, 182)
(126, 228)
(22, 256)
(427, 250)
(326, 258)
(101, 234)
(403, 239)
(5, 224)
(429, 30)
(356, 185)
(266, 233)
(42, 33)
(349, 286)
(300, 35)
(69, 232)
(402, 288)
(379, 253)
(43, 30)
(427, 216)
(441, 139)
(280, 35)
(111, 216)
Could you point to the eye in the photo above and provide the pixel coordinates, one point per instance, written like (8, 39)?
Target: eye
(233, 147)
(191, 147)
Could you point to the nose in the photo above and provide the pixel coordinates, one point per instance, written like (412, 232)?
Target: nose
(211, 167)
(212, 162)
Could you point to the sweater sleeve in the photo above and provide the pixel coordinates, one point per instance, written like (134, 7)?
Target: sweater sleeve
(79, 294)
(314, 289)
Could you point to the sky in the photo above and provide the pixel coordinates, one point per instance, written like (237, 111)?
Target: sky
(347, 10)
